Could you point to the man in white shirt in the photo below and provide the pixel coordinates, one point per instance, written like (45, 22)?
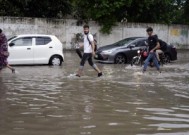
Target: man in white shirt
(89, 52)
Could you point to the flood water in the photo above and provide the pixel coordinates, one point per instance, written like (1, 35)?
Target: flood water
(43, 100)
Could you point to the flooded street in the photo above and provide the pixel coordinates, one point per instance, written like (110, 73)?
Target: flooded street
(43, 100)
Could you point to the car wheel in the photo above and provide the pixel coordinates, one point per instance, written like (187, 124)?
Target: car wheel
(120, 59)
(167, 58)
(55, 61)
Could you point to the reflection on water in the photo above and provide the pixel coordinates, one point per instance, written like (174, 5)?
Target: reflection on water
(49, 100)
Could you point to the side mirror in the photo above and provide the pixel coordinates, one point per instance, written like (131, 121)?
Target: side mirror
(11, 44)
(132, 46)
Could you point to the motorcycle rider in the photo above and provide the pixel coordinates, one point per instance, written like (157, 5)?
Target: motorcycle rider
(161, 49)
(154, 44)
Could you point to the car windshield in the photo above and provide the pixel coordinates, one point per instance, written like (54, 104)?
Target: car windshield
(124, 42)
(12, 38)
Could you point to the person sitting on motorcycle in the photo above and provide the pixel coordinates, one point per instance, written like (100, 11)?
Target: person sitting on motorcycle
(161, 49)
(153, 44)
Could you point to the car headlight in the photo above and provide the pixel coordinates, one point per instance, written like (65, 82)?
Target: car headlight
(108, 51)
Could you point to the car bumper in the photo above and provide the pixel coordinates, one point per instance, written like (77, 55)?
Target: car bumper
(104, 61)
(103, 58)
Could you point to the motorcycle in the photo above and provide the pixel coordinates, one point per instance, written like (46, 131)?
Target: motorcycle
(142, 55)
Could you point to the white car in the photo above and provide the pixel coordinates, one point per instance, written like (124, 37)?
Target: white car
(35, 49)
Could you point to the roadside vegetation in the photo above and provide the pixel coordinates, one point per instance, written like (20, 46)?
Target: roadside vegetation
(105, 12)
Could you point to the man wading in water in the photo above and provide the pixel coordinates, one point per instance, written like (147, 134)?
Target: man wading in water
(4, 54)
(89, 52)
(153, 46)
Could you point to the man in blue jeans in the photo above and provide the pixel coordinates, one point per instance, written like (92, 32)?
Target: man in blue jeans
(153, 46)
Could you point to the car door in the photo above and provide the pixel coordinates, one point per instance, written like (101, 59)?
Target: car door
(135, 46)
(43, 49)
(142, 44)
(21, 51)
(132, 49)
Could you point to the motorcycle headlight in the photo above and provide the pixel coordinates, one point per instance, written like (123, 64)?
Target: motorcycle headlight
(138, 51)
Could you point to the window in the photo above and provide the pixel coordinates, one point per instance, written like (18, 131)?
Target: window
(26, 41)
(141, 43)
(12, 38)
(124, 42)
(43, 40)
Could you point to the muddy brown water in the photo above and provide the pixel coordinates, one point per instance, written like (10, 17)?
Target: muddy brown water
(43, 100)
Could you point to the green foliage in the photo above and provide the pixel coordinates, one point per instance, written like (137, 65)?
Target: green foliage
(8, 8)
(150, 11)
(49, 8)
(35, 8)
(106, 12)
(186, 12)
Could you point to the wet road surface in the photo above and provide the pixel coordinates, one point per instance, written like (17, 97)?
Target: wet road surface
(43, 100)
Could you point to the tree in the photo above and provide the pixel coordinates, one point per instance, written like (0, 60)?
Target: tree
(35, 8)
(106, 12)
(7, 8)
(48, 8)
(151, 11)
(186, 12)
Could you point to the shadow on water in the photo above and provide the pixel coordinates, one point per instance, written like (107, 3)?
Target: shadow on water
(49, 100)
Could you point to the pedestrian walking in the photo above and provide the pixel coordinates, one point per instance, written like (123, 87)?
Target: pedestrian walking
(89, 52)
(4, 54)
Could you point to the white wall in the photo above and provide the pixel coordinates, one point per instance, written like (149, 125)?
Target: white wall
(66, 30)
